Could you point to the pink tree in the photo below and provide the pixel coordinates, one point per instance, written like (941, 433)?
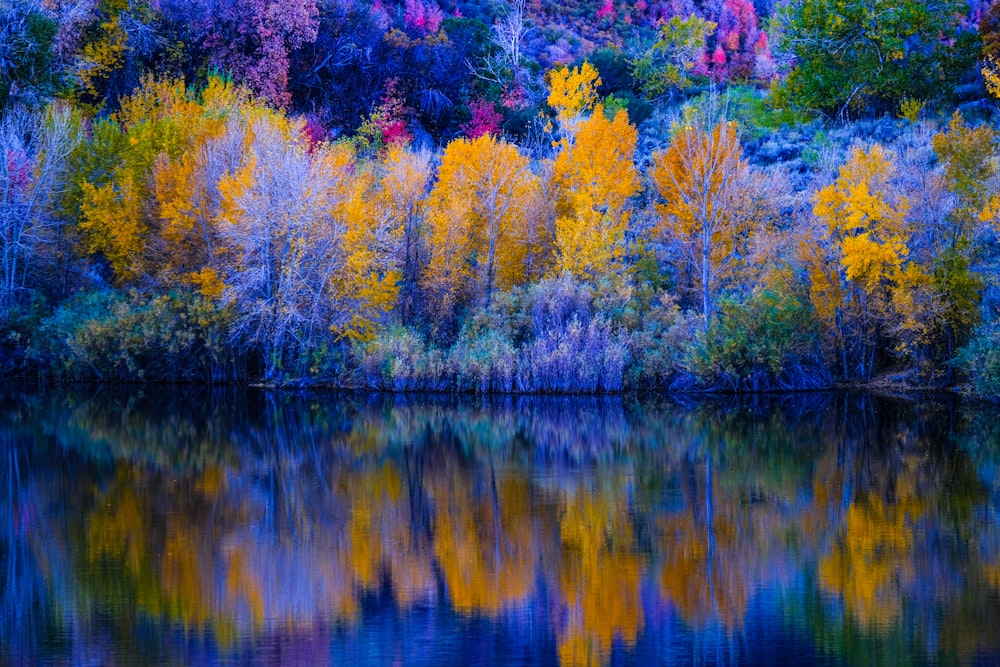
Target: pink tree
(607, 8)
(718, 70)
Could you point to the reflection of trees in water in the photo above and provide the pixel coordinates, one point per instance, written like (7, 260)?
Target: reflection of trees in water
(243, 514)
(895, 512)
(23, 618)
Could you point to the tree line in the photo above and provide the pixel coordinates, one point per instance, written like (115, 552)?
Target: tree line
(211, 231)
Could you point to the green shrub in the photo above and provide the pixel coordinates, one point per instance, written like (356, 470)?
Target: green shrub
(662, 346)
(401, 360)
(483, 360)
(980, 359)
(757, 112)
(18, 325)
(107, 335)
(761, 342)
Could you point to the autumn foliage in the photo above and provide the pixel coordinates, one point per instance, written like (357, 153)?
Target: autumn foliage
(409, 195)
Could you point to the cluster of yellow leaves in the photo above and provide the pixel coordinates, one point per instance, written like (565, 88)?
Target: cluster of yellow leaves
(112, 223)
(479, 220)
(991, 76)
(595, 176)
(484, 548)
(868, 262)
(368, 280)
(102, 56)
(572, 92)
(401, 197)
(156, 139)
(865, 231)
(969, 155)
(600, 577)
(871, 562)
(213, 190)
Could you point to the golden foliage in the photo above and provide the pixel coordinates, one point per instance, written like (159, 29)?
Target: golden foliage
(483, 547)
(855, 260)
(479, 219)
(402, 195)
(706, 197)
(871, 561)
(113, 225)
(594, 177)
(991, 76)
(600, 577)
(572, 92)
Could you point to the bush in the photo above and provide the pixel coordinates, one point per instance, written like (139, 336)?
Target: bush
(766, 341)
(175, 337)
(576, 356)
(980, 359)
(483, 360)
(757, 113)
(577, 339)
(553, 303)
(18, 325)
(559, 335)
(400, 360)
(663, 345)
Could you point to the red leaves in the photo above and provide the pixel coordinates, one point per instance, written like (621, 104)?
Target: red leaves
(485, 120)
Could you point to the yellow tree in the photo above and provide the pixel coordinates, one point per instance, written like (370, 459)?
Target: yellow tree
(600, 572)
(402, 195)
(706, 204)
(855, 258)
(572, 92)
(161, 124)
(485, 545)
(969, 158)
(594, 178)
(114, 226)
(186, 187)
(953, 244)
(117, 36)
(874, 559)
(991, 76)
(706, 570)
(478, 221)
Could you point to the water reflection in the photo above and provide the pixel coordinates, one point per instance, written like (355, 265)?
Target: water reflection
(232, 528)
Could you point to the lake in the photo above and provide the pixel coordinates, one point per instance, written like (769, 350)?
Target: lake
(184, 526)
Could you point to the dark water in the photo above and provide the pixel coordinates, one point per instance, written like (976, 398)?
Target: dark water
(192, 528)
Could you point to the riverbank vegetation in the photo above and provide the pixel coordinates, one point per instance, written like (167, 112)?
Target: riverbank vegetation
(501, 197)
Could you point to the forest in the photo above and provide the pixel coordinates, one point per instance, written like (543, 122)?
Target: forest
(502, 195)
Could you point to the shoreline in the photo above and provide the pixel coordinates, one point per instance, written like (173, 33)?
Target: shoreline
(322, 386)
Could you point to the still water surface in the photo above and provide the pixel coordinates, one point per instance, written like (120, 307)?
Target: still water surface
(198, 528)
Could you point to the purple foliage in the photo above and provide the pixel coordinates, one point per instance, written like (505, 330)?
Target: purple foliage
(251, 39)
(423, 18)
(556, 302)
(577, 357)
(575, 348)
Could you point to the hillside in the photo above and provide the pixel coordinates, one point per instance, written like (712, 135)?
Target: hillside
(516, 197)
